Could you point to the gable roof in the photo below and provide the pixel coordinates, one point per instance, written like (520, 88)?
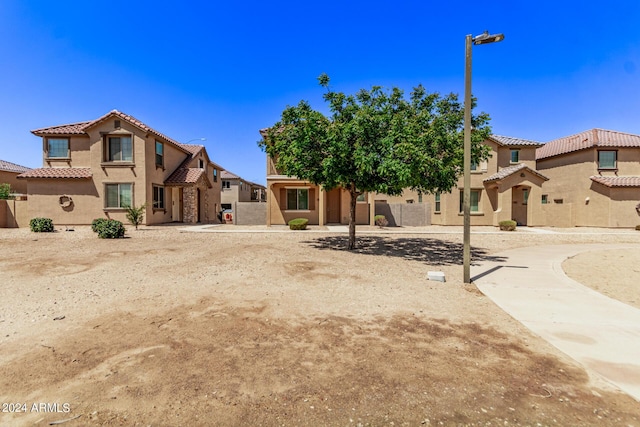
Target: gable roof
(80, 128)
(617, 181)
(57, 173)
(12, 167)
(587, 139)
(505, 172)
(229, 175)
(509, 141)
(183, 173)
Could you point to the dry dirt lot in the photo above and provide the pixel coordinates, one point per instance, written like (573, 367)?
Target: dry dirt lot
(167, 328)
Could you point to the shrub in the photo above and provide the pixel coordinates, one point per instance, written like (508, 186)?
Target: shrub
(298, 224)
(97, 223)
(508, 225)
(380, 220)
(41, 225)
(638, 227)
(5, 191)
(111, 229)
(135, 215)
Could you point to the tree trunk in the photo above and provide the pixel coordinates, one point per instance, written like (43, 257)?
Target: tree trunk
(352, 216)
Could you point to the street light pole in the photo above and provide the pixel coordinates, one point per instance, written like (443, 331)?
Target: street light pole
(483, 38)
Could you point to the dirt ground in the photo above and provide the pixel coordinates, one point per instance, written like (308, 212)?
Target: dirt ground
(169, 328)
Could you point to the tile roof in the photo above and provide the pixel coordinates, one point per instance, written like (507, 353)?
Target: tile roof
(184, 176)
(515, 142)
(80, 128)
(229, 175)
(617, 181)
(12, 167)
(60, 173)
(587, 139)
(192, 148)
(505, 172)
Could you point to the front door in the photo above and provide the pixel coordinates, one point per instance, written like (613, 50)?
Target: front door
(520, 197)
(333, 206)
(176, 209)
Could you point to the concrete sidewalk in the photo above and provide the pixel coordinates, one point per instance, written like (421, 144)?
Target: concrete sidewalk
(599, 332)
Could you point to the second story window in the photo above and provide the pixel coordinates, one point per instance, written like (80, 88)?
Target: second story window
(226, 184)
(159, 154)
(215, 175)
(119, 149)
(607, 159)
(515, 156)
(58, 148)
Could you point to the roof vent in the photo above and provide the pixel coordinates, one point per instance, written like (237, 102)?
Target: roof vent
(116, 124)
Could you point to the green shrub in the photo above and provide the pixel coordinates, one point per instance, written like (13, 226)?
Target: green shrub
(508, 225)
(41, 225)
(298, 224)
(111, 229)
(97, 223)
(380, 220)
(135, 215)
(5, 190)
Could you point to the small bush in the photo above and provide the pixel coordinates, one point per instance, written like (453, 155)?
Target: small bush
(5, 191)
(41, 225)
(508, 225)
(298, 224)
(638, 227)
(135, 215)
(380, 220)
(97, 223)
(111, 229)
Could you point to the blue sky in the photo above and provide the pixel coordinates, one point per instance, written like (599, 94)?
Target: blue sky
(223, 70)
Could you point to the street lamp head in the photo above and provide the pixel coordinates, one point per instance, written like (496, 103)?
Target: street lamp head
(196, 139)
(486, 38)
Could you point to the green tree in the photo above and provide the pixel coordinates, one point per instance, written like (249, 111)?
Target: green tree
(135, 215)
(5, 191)
(376, 140)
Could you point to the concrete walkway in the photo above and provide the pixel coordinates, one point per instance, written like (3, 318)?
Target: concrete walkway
(600, 333)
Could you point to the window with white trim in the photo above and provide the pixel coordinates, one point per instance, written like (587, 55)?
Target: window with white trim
(118, 195)
(297, 199)
(437, 202)
(58, 148)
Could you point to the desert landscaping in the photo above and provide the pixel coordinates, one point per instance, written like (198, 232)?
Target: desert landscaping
(173, 328)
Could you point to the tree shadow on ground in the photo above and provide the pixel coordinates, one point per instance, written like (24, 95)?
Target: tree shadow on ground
(422, 249)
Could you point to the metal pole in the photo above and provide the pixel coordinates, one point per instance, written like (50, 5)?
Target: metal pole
(466, 196)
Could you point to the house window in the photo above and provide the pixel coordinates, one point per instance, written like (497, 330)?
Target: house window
(361, 197)
(545, 199)
(158, 197)
(201, 163)
(215, 175)
(607, 159)
(159, 154)
(298, 199)
(515, 156)
(226, 184)
(119, 195)
(473, 202)
(525, 196)
(58, 148)
(119, 149)
(474, 166)
(437, 200)
(420, 198)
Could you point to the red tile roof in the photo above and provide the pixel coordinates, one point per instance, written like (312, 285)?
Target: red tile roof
(617, 181)
(505, 172)
(58, 173)
(228, 175)
(514, 142)
(184, 176)
(587, 139)
(80, 128)
(12, 167)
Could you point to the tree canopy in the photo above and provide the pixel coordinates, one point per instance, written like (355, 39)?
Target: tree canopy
(376, 141)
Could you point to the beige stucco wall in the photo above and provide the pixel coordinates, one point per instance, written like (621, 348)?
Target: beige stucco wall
(44, 201)
(239, 191)
(17, 185)
(13, 214)
(281, 217)
(592, 204)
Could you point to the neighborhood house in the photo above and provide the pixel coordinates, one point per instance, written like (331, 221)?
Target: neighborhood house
(97, 168)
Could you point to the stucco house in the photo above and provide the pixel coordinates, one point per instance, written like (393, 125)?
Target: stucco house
(238, 189)
(9, 173)
(594, 179)
(95, 168)
(501, 187)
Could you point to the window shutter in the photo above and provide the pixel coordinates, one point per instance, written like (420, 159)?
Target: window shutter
(283, 199)
(312, 199)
